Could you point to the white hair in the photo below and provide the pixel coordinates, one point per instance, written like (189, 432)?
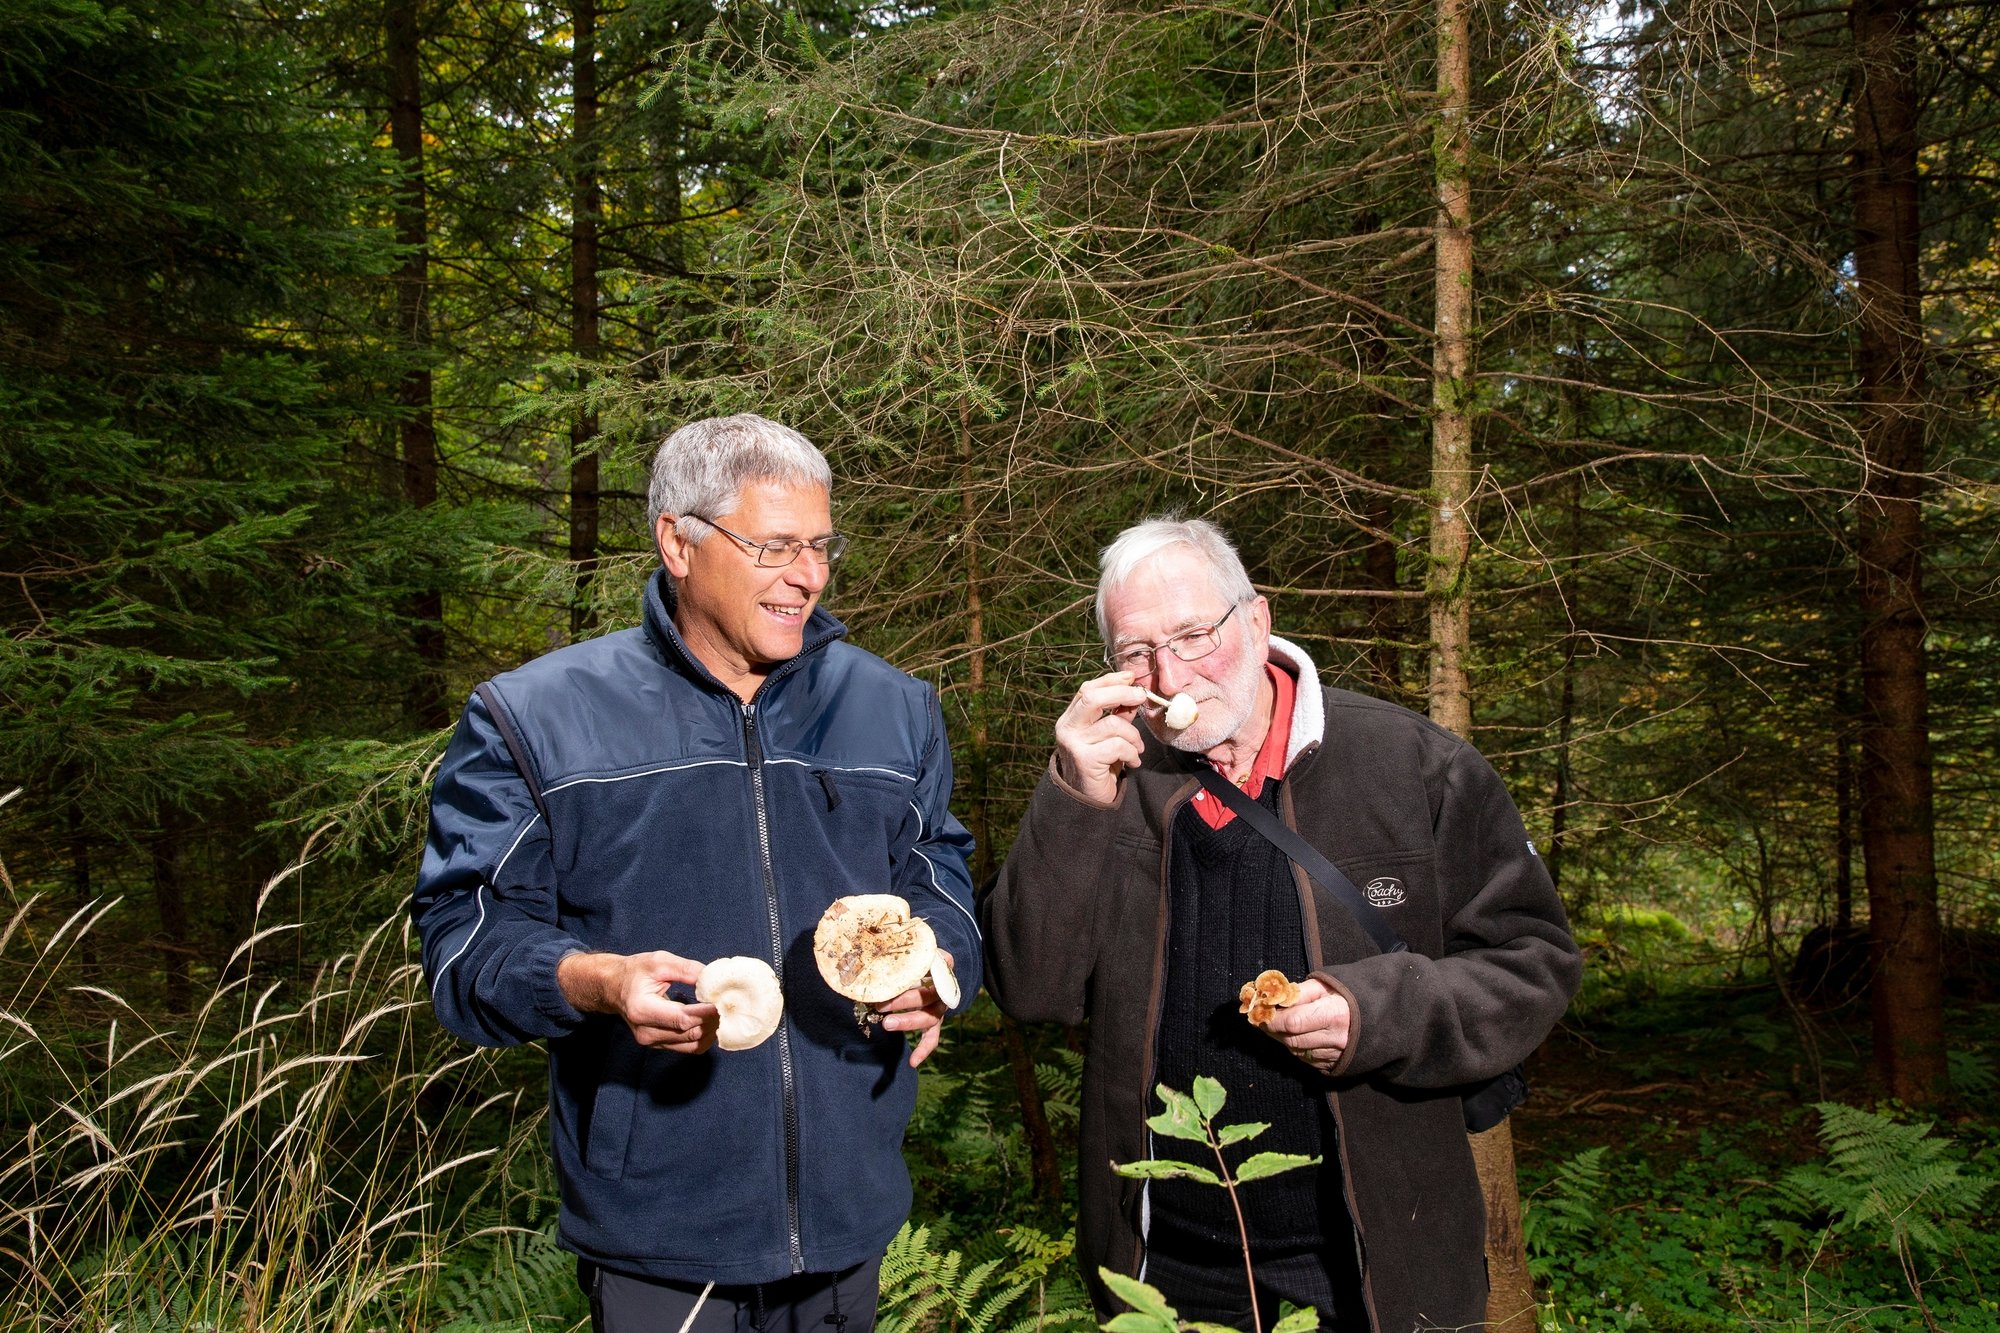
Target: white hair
(1143, 541)
(701, 469)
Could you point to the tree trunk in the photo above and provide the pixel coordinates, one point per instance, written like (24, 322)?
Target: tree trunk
(1511, 1299)
(1565, 792)
(1565, 726)
(1044, 1161)
(1451, 383)
(417, 426)
(1907, 994)
(1843, 807)
(586, 202)
(975, 639)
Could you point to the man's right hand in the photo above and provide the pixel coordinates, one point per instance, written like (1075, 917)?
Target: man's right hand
(634, 987)
(1097, 737)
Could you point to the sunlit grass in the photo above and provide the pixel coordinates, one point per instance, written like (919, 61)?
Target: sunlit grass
(301, 1152)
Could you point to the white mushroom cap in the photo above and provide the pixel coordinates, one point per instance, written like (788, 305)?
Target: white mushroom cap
(870, 949)
(1181, 713)
(747, 1000)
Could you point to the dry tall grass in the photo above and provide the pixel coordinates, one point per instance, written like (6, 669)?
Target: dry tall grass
(304, 1152)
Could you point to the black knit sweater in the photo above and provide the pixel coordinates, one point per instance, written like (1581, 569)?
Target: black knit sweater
(1233, 912)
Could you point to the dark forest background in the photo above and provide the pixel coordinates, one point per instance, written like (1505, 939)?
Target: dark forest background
(1614, 382)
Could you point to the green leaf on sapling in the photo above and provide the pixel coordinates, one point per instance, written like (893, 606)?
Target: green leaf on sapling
(1265, 1164)
(1175, 1129)
(1249, 1129)
(1297, 1321)
(1159, 1170)
(1140, 1323)
(1145, 1301)
(1208, 1096)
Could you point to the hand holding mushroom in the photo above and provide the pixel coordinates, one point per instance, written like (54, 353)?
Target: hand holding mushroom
(1097, 736)
(1309, 1019)
(870, 949)
(634, 987)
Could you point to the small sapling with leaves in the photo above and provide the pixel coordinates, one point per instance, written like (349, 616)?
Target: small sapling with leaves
(1192, 1117)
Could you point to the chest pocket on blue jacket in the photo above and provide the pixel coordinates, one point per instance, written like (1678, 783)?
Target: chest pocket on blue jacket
(851, 823)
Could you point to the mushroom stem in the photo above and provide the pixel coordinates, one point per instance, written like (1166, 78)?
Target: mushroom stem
(1164, 703)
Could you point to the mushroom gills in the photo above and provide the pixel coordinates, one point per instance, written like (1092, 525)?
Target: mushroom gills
(748, 1001)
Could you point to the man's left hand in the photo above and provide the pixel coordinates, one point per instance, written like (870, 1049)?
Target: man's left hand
(917, 1010)
(1314, 1027)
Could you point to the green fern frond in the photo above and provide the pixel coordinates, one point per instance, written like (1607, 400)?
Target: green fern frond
(1564, 1211)
(1886, 1181)
(1972, 1075)
(1062, 1079)
(924, 1290)
(510, 1279)
(1566, 1208)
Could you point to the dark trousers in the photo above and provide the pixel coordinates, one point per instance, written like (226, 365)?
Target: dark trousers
(841, 1302)
(1209, 1286)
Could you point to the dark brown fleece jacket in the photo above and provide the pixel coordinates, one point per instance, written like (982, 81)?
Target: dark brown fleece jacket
(1075, 927)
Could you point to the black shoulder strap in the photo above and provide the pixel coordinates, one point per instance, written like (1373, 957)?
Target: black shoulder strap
(1304, 855)
(504, 720)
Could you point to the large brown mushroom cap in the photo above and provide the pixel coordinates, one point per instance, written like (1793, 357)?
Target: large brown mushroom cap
(747, 1000)
(870, 949)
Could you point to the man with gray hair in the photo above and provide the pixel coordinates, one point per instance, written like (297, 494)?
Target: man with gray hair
(612, 816)
(1143, 893)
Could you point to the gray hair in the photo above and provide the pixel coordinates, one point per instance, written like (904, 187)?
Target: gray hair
(703, 467)
(1142, 541)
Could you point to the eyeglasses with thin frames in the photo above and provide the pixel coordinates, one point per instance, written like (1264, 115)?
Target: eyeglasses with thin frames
(1190, 645)
(778, 553)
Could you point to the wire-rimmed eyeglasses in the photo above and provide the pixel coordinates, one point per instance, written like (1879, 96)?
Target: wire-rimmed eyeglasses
(779, 552)
(1190, 645)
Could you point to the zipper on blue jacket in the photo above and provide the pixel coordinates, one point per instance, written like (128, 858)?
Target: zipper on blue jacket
(754, 753)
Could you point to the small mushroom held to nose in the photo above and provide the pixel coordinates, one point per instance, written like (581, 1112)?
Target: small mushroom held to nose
(747, 1001)
(1181, 710)
(870, 949)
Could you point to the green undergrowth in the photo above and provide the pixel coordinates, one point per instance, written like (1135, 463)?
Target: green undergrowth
(1711, 1159)
(306, 1151)
(1711, 1234)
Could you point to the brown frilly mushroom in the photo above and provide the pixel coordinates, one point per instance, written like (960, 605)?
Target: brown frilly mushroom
(1265, 996)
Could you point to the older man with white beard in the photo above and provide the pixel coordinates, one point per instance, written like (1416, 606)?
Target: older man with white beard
(1135, 899)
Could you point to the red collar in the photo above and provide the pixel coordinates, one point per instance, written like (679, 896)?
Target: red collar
(1270, 762)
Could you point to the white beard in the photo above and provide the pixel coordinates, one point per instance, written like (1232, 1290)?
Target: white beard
(1223, 712)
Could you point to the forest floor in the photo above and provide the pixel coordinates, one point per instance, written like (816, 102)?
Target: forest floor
(1724, 1057)
(1702, 1106)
